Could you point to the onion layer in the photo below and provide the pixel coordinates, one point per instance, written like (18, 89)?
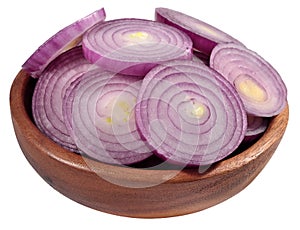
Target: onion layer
(256, 125)
(204, 36)
(199, 56)
(49, 92)
(134, 46)
(103, 120)
(255, 129)
(65, 39)
(259, 85)
(189, 113)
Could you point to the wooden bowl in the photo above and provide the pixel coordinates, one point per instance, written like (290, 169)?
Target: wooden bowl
(136, 192)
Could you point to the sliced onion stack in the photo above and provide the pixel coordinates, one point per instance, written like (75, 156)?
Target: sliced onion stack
(176, 89)
(259, 85)
(103, 120)
(134, 46)
(49, 92)
(204, 36)
(189, 113)
(65, 39)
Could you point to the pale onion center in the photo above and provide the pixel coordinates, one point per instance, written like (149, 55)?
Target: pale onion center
(118, 111)
(249, 88)
(138, 37)
(121, 113)
(198, 110)
(195, 109)
(109, 120)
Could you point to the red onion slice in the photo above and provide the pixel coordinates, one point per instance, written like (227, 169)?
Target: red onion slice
(257, 82)
(204, 36)
(65, 39)
(189, 113)
(134, 46)
(49, 92)
(102, 119)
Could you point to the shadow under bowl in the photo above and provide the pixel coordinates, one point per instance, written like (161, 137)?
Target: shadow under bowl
(136, 192)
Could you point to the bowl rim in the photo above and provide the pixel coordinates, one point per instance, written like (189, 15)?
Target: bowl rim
(45, 145)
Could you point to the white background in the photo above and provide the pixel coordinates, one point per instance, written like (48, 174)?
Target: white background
(271, 28)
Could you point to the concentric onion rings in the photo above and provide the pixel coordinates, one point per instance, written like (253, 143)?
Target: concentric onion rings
(103, 121)
(259, 85)
(134, 46)
(47, 102)
(210, 124)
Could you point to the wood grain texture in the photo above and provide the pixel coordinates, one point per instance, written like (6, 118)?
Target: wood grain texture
(88, 182)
